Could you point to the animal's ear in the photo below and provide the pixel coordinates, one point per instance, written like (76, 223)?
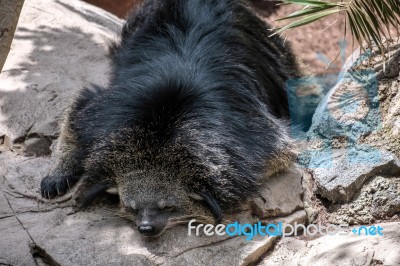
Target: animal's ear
(212, 205)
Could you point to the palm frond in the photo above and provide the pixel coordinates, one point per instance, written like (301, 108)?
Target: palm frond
(369, 20)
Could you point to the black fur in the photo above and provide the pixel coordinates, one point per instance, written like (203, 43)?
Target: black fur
(197, 77)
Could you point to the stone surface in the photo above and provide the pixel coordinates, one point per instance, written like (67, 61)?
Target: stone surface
(5, 210)
(353, 135)
(378, 199)
(342, 174)
(281, 196)
(51, 59)
(350, 109)
(386, 137)
(14, 243)
(60, 46)
(75, 238)
(349, 249)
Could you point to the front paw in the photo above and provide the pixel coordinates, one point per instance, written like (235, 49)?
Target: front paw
(54, 185)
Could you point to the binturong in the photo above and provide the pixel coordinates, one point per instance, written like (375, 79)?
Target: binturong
(194, 117)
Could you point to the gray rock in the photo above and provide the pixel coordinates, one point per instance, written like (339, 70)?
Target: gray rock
(15, 240)
(349, 169)
(5, 210)
(352, 137)
(50, 59)
(35, 89)
(37, 146)
(378, 199)
(349, 249)
(281, 195)
(350, 109)
(386, 199)
(75, 238)
(54, 54)
(14, 243)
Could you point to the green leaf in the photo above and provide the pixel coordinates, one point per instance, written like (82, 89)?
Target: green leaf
(368, 20)
(353, 28)
(312, 3)
(307, 20)
(367, 30)
(305, 12)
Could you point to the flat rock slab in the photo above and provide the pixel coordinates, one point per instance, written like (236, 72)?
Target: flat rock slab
(349, 249)
(60, 46)
(75, 238)
(14, 243)
(354, 129)
(378, 199)
(342, 173)
(280, 196)
(90, 238)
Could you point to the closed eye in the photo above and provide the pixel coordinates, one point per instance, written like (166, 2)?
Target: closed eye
(130, 209)
(167, 208)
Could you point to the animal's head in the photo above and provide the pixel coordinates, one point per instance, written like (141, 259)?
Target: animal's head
(155, 203)
(159, 186)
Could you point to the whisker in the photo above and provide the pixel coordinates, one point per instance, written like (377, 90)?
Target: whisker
(185, 219)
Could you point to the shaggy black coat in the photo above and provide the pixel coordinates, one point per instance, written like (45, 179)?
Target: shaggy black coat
(200, 75)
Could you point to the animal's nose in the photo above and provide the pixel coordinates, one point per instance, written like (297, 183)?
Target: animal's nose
(146, 230)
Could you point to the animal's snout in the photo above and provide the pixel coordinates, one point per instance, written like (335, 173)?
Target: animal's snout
(151, 221)
(147, 229)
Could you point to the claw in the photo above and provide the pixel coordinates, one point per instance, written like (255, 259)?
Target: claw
(68, 184)
(58, 191)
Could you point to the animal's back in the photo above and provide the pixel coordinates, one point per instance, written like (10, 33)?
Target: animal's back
(196, 105)
(200, 39)
(207, 74)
